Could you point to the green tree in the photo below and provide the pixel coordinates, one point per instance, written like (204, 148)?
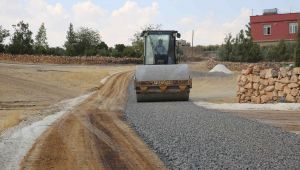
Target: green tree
(225, 51)
(102, 49)
(87, 41)
(238, 52)
(41, 45)
(118, 50)
(71, 42)
(120, 47)
(3, 35)
(241, 48)
(129, 52)
(297, 51)
(56, 51)
(102, 45)
(271, 53)
(282, 51)
(290, 50)
(21, 41)
(252, 49)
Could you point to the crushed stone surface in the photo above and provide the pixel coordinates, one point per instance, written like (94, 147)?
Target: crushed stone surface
(187, 136)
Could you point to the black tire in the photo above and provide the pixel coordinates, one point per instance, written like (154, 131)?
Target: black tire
(158, 97)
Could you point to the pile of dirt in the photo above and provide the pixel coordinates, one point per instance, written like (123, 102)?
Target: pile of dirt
(221, 68)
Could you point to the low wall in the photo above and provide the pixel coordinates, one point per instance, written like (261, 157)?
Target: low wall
(260, 85)
(68, 59)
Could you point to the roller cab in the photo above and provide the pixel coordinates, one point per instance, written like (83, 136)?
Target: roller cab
(161, 78)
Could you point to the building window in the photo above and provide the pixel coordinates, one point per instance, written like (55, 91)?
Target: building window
(293, 27)
(267, 29)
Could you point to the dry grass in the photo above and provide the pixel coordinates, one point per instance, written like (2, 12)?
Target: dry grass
(9, 120)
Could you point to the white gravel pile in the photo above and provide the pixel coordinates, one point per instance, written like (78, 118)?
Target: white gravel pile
(221, 68)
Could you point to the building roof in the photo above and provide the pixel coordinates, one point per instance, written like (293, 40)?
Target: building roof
(275, 17)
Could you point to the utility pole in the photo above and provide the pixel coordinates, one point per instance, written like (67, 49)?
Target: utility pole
(192, 43)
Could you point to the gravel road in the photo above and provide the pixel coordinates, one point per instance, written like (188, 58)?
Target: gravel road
(187, 136)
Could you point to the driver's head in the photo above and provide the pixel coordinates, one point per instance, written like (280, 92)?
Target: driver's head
(160, 42)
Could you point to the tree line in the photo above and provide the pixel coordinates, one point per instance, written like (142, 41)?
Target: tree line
(87, 42)
(241, 48)
(82, 42)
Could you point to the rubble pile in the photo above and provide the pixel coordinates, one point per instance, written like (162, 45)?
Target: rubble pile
(261, 85)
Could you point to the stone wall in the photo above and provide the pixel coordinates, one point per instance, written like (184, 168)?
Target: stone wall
(48, 59)
(261, 85)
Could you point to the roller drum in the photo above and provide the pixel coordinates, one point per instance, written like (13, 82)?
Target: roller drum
(162, 83)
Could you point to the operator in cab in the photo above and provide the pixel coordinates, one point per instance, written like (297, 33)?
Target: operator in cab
(161, 56)
(160, 49)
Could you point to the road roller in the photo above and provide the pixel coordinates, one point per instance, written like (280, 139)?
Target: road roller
(161, 77)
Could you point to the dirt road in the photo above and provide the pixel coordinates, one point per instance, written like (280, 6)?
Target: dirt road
(93, 136)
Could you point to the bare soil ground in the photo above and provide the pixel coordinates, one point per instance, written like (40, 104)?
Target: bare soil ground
(215, 89)
(199, 66)
(27, 90)
(94, 136)
(287, 120)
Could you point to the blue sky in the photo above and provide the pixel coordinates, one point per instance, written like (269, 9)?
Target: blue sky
(117, 20)
(169, 9)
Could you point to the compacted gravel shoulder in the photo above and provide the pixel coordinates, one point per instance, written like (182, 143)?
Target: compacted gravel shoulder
(187, 136)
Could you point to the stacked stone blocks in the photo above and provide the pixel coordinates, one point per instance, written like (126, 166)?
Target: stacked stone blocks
(261, 85)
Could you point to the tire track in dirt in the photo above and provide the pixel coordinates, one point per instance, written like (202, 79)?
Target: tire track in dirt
(94, 136)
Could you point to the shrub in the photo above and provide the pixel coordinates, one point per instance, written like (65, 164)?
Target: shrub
(240, 49)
